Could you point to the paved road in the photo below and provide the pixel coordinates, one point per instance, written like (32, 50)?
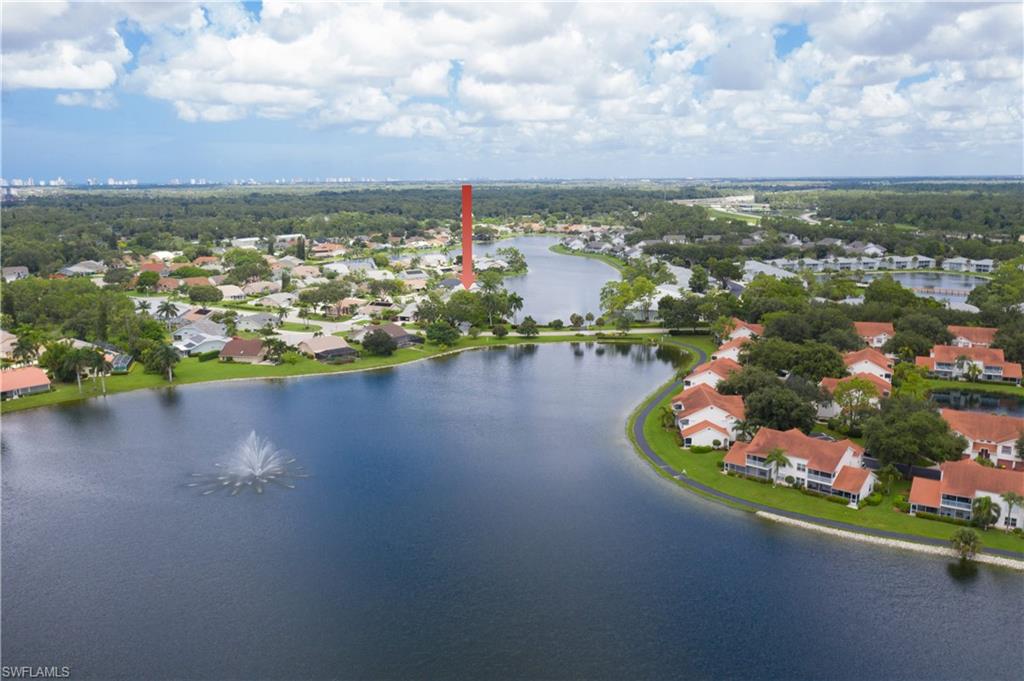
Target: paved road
(685, 480)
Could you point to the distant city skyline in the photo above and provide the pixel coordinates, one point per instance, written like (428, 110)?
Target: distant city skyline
(232, 91)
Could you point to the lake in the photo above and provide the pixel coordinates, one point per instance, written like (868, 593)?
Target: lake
(556, 285)
(477, 516)
(971, 400)
(946, 281)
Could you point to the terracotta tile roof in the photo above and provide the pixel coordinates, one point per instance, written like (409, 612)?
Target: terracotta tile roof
(965, 477)
(987, 427)
(883, 386)
(241, 347)
(196, 281)
(737, 454)
(701, 396)
(157, 267)
(722, 367)
(168, 282)
(734, 343)
(851, 479)
(872, 329)
(987, 356)
(925, 492)
(25, 377)
(978, 335)
(870, 355)
(738, 323)
(819, 454)
(697, 427)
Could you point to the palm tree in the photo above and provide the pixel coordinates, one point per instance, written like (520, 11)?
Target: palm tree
(745, 429)
(26, 348)
(966, 542)
(589, 317)
(142, 305)
(777, 458)
(98, 362)
(167, 311)
(984, 513)
(304, 314)
(1012, 499)
(973, 372)
(163, 358)
(887, 475)
(74, 362)
(668, 417)
(515, 303)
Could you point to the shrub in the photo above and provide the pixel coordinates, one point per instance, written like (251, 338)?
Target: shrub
(1018, 531)
(556, 324)
(716, 443)
(943, 518)
(378, 342)
(701, 449)
(474, 331)
(207, 356)
(290, 357)
(500, 330)
(827, 497)
(873, 499)
(790, 479)
(720, 464)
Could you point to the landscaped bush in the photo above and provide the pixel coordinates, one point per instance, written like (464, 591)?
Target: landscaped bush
(827, 497)
(790, 479)
(943, 518)
(291, 358)
(207, 356)
(1018, 531)
(556, 324)
(720, 464)
(873, 499)
(701, 449)
(716, 443)
(900, 502)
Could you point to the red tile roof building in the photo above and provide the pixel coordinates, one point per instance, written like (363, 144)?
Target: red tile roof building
(972, 336)
(960, 484)
(23, 381)
(742, 328)
(989, 436)
(705, 416)
(869, 361)
(731, 348)
(945, 361)
(875, 334)
(711, 373)
(243, 350)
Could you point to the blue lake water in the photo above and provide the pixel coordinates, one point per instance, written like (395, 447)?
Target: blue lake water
(944, 282)
(968, 400)
(479, 516)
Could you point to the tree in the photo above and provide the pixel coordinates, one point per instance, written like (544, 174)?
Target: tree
(26, 348)
(167, 311)
(745, 429)
(1012, 499)
(887, 476)
(814, 361)
(679, 313)
(442, 333)
(966, 542)
(74, 362)
(910, 381)
(779, 408)
(576, 320)
(300, 249)
(698, 279)
(750, 379)
(908, 345)
(160, 359)
(908, 430)
(205, 294)
(984, 513)
(142, 306)
(856, 398)
(589, 317)
(924, 325)
(378, 342)
(275, 349)
(885, 289)
(973, 372)
(778, 460)
(147, 280)
(528, 328)
(499, 330)
(100, 365)
(556, 324)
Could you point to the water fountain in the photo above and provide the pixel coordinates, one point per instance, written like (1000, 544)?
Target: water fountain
(256, 464)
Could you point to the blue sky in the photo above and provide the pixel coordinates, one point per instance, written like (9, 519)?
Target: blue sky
(222, 91)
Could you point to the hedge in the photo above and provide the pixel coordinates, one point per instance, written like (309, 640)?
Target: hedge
(207, 356)
(943, 518)
(827, 497)
(701, 449)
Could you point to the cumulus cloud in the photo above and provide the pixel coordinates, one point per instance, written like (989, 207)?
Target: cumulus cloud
(547, 78)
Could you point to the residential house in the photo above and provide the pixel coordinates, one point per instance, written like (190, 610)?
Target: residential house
(159, 267)
(753, 268)
(244, 350)
(206, 261)
(231, 292)
(401, 337)
(711, 373)
(731, 348)
(950, 361)
(168, 284)
(875, 334)
(7, 342)
(85, 268)
(23, 381)
(256, 288)
(196, 281)
(989, 436)
(305, 272)
(326, 347)
(742, 329)
(326, 250)
(286, 240)
(957, 264)
(289, 262)
(195, 343)
(14, 273)
(972, 336)
(250, 242)
(869, 361)
(830, 410)
(255, 322)
(203, 326)
(278, 300)
(706, 418)
(834, 468)
(346, 306)
(960, 483)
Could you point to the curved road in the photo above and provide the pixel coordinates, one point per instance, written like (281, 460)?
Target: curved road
(683, 479)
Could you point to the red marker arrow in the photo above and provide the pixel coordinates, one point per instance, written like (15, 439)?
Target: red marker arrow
(468, 277)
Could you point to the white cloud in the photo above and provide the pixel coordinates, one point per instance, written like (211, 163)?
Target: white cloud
(549, 78)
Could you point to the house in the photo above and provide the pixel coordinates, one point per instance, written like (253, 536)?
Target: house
(346, 306)
(950, 361)
(989, 436)
(231, 292)
(972, 336)
(196, 281)
(286, 240)
(305, 272)
(7, 342)
(875, 334)
(85, 268)
(203, 326)
(706, 418)
(834, 468)
(15, 273)
(742, 329)
(256, 288)
(250, 242)
(711, 373)
(830, 410)
(401, 337)
(327, 250)
(289, 262)
(754, 268)
(23, 381)
(869, 361)
(960, 483)
(206, 261)
(278, 300)
(326, 347)
(168, 284)
(956, 264)
(196, 343)
(408, 313)
(160, 268)
(255, 322)
(243, 350)
(731, 349)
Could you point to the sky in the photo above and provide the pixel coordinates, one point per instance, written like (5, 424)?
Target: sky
(270, 90)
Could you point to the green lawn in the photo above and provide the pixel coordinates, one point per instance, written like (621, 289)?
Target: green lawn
(703, 468)
(296, 326)
(978, 386)
(726, 215)
(607, 259)
(191, 370)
